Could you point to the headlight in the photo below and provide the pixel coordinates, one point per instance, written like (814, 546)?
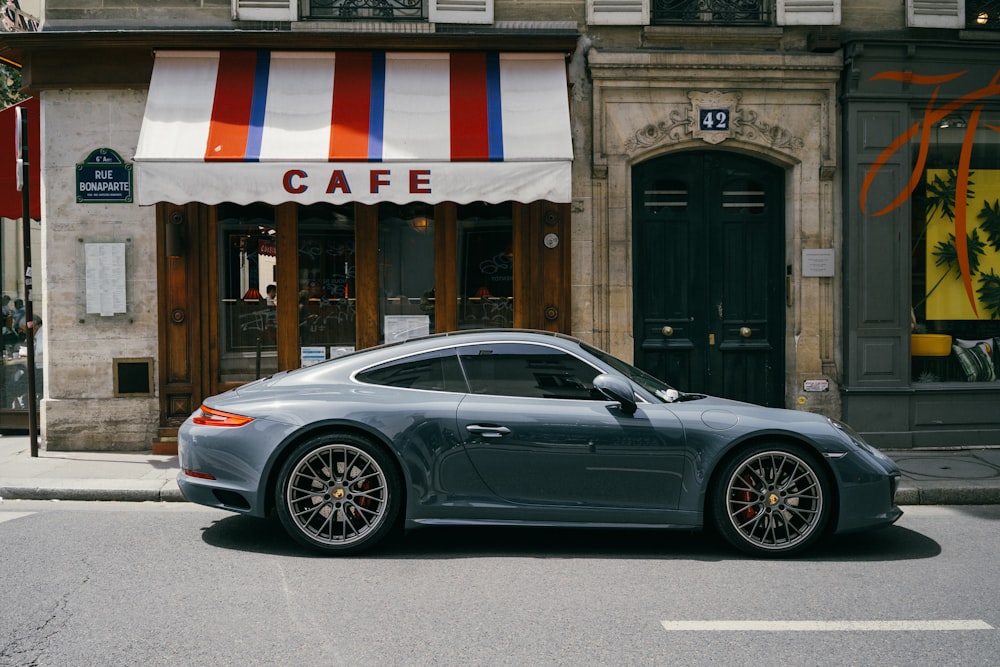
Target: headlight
(853, 436)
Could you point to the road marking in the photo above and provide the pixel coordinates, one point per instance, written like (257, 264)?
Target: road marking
(824, 626)
(10, 516)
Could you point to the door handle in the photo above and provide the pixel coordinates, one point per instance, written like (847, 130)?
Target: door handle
(488, 431)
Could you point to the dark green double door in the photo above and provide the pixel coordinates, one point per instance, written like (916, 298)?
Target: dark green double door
(709, 274)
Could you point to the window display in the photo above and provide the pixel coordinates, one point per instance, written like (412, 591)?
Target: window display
(955, 242)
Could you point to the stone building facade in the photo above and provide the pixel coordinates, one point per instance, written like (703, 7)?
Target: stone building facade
(705, 239)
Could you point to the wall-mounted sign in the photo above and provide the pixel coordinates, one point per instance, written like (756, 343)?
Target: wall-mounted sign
(818, 262)
(105, 264)
(816, 385)
(104, 178)
(713, 120)
(715, 114)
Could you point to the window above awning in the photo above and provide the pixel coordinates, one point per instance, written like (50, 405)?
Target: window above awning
(353, 126)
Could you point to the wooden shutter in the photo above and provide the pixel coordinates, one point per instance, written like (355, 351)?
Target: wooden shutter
(935, 13)
(265, 10)
(618, 12)
(808, 12)
(461, 11)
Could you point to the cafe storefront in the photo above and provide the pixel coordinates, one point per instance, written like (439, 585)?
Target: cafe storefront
(293, 197)
(309, 204)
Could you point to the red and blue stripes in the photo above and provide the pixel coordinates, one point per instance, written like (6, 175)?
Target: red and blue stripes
(358, 107)
(237, 123)
(476, 119)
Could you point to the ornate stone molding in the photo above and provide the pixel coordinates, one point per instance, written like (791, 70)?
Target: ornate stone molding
(684, 124)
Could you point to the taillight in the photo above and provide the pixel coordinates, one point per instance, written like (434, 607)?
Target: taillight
(210, 417)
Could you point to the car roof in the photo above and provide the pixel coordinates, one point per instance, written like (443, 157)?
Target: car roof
(372, 356)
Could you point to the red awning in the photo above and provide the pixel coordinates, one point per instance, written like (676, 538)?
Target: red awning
(10, 197)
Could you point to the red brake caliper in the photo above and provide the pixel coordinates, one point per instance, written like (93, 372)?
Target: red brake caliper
(748, 512)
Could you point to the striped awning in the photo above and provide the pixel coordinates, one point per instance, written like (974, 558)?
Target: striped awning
(372, 126)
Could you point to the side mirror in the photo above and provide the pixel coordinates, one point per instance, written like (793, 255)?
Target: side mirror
(617, 389)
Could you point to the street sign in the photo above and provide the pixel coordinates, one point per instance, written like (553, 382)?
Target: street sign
(104, 178)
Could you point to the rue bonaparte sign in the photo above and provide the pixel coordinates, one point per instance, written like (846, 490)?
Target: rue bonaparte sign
(104, 178)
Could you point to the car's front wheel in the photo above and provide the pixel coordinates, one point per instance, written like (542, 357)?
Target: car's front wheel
(338, 493)
(772, 500)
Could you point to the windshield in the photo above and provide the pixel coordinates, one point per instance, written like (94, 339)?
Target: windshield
(657, 387)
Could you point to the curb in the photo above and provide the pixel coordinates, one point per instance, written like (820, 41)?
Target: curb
(91, 489)
(948, 495)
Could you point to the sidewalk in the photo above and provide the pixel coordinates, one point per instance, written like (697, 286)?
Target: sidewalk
(930, 476)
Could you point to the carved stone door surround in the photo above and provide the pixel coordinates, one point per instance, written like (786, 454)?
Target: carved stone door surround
(779, 108)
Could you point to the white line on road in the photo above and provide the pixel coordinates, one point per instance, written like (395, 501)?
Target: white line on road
(824, 626)
(10, 516)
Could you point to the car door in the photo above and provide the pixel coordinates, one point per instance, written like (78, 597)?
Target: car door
(539, 434)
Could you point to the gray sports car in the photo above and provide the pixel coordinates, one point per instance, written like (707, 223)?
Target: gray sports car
(523, 428)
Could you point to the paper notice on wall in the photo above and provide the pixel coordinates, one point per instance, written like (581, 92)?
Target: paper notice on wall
(105, 278)
(403, 327)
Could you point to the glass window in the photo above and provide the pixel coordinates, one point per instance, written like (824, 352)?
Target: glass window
(14, 383)
(955, 243)
(722, 12)
(533, 371)
(327, 304)
(406, 271)
(435, 371)
(485, 266)
(248, 245)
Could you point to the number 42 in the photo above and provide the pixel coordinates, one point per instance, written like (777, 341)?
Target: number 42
(715, 119)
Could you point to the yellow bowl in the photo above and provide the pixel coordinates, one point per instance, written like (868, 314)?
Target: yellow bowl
(930, 345)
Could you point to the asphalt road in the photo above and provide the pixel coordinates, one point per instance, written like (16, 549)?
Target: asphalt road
(173, 584)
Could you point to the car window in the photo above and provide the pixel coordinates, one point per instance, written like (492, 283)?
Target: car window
(535, 371)
(433, 371)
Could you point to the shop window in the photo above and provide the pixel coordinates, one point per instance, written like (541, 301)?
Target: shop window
(982, 14)
(955, 243)
(248, 244)
(406, 271)
(485, 266)
(327, 303)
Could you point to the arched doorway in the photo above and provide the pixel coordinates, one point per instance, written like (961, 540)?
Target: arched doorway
(709, 274)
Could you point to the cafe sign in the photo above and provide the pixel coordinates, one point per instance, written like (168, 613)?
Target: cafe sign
(104, 178)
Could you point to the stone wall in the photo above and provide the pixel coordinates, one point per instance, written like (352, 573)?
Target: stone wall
(79, 408)
(87, 14)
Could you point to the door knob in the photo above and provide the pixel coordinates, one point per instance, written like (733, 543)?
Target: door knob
(667, 331)
(745, 332)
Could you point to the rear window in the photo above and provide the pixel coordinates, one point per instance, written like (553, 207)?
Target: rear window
(430, 371)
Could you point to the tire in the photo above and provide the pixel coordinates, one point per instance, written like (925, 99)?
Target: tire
(338, 493)
(772, 500)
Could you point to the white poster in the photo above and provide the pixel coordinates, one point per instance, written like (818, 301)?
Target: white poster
(105, 267)
(404, 327)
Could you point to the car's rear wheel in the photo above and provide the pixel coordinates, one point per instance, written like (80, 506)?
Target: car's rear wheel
(338, 493)
(772, 500)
